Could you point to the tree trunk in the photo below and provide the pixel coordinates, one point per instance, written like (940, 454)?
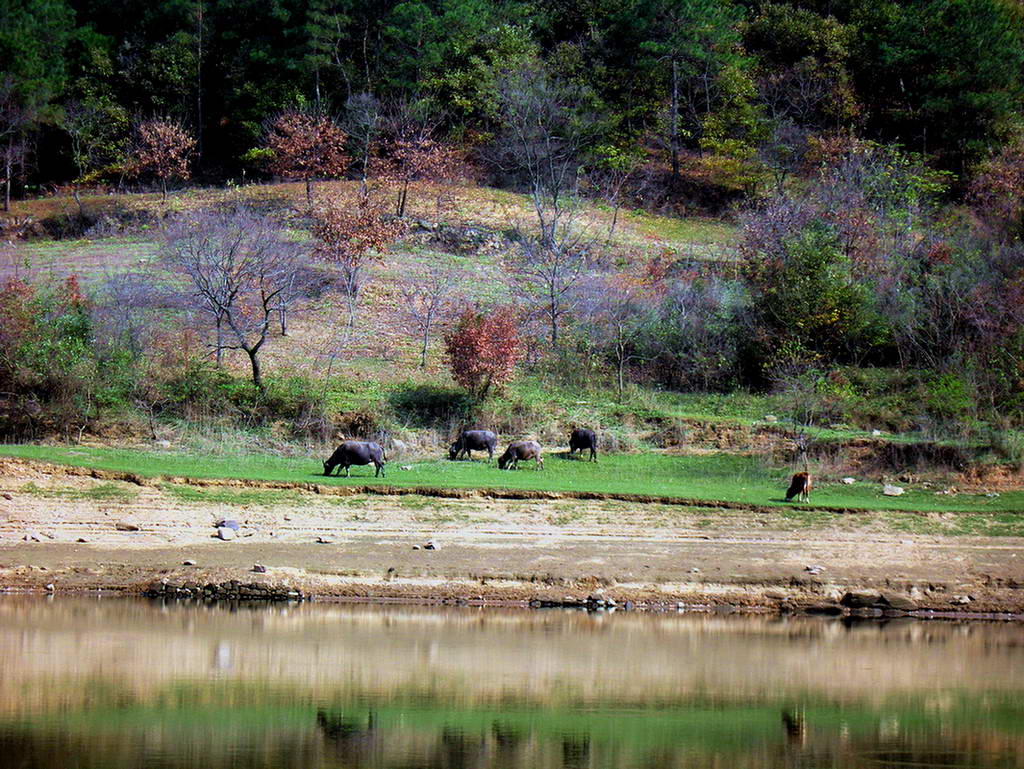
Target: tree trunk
(423, 352)
(199, 81)
(220, 342)
(621, 363)
(674, 117)
(284, 325)
(401, 199)
(309, 192)
(8, 175)
(77, 195)
(257, 379)
(163, 189)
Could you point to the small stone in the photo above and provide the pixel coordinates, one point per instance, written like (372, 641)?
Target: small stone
(775, 594)
(416, 547)
(259, 568)
(226, 533)
(431, 545)
(876, 433)
(163, 444)
(962, 599)
(7, 496)
(814, 569)
(188, 562)
(906, 541)
(892, 491)
(81, 539)
(227, 523)
(992, 494)
(770, 418)
(122, 526)
(405, 467)
(325, 540)
(694, 570)
(50, 588)
(33, 536)
(849, 481)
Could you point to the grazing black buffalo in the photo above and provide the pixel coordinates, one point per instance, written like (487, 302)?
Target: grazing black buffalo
(581, 439)
(520, 450)
(356, 453)
(474, 440)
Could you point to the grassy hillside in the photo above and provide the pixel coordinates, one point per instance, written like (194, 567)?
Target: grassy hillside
(320, 389)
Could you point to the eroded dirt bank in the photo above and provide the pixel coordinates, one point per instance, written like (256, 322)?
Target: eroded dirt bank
(78, 533)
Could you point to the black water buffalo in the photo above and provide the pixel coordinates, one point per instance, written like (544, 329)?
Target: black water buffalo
(356, 453)
(520, 450)
(474, 440)
(581, 439)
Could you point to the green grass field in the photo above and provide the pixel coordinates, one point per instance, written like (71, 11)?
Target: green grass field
(717, 477)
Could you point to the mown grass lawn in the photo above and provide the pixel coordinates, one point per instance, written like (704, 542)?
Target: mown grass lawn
(716, 477)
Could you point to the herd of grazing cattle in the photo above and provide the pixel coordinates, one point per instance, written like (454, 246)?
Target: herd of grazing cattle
(582, 439)
(352, 453)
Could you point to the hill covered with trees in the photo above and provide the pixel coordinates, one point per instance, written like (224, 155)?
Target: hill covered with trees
(497, 211)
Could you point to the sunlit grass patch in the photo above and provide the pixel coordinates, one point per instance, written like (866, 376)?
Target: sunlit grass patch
(104, 492)
(239, 497)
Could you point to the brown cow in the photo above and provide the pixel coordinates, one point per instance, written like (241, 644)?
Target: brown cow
(800, 487)
(520, 450)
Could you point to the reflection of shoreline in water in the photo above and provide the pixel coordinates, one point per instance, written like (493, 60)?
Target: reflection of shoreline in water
(120, 683)
(478, 656)
(481, 655)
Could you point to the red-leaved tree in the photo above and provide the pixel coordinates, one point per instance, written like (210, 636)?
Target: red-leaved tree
(163, 148)
(483, 350)
(307, 147)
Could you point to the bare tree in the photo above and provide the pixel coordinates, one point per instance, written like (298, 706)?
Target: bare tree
(240, 271)
(548, 274)
(98, 137)
(619, 309)
(426, 296)
(15, 119)
(412, 152)
(541, 143)
(363, 125)
(163, 149)
(350, 239)
(307, 146)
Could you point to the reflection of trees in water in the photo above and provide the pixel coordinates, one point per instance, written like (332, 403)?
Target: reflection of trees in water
(575, 751)
(365, 738)
(352, 737)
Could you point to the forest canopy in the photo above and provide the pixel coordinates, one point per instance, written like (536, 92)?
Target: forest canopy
(743, 80)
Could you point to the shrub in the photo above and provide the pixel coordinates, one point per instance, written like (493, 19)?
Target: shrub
(483, 350)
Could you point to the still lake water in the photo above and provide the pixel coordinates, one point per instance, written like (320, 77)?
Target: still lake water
(119, 684)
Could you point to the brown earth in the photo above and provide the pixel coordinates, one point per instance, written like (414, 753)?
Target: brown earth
(100, 534)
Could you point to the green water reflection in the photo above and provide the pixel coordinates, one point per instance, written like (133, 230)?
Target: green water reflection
(117, 683)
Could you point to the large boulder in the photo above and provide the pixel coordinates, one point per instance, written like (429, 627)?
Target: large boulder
(861, 599)
(897, 601)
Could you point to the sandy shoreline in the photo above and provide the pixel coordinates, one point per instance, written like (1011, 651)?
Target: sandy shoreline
(82, 534)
